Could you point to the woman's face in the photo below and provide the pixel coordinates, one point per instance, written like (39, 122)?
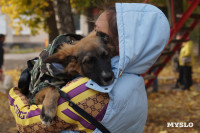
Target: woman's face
(102, 24)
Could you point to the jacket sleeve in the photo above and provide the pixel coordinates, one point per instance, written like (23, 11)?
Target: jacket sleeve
(28, 116)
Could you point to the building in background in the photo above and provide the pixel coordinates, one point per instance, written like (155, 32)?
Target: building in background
(26, 40)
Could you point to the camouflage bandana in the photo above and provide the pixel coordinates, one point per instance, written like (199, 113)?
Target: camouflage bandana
(46, 74)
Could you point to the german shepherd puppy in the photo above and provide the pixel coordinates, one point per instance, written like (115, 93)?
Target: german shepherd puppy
(89, 57)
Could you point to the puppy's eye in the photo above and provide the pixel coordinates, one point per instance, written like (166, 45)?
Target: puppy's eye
(88, 60)
(104, 37)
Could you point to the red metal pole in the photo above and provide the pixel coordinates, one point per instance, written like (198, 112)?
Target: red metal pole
(192, 26)
(173, 18)
(182, 20)
(174, 31)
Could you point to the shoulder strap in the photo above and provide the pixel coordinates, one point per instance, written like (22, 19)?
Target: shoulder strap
(84, 113)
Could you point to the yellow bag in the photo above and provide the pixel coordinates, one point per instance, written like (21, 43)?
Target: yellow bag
(28, 116)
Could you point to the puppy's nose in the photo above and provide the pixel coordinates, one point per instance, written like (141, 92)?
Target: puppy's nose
(107, 77)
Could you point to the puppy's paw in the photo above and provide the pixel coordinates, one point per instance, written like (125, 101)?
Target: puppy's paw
(47, 116)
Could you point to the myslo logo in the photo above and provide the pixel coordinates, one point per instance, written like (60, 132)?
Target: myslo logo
(180, 124)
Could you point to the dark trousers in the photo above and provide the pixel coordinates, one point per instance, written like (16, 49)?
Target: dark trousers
(180, 80)
(186, 76)
(1, 57)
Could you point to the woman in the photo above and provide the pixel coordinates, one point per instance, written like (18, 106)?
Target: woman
(140, 33)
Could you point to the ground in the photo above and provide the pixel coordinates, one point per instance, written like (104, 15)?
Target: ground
(173, 106)
(12, 65)
(13, 61)
(164, 106)
(7, 122)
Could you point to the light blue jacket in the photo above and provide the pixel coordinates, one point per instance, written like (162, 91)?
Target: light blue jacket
(143, 33)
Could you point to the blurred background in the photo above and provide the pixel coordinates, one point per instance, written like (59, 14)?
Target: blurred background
(30, 25)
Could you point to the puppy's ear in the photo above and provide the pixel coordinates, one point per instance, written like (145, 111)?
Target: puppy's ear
(63, 60)
(56, 58)
(62, 56)
(104, 37)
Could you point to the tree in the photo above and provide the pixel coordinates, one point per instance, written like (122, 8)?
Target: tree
(65, 23)
(54, 16)
(87, 7)
(50, 22)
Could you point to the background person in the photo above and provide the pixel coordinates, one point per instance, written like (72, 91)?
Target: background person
(186, 61)
(140, 33)
(2, 39)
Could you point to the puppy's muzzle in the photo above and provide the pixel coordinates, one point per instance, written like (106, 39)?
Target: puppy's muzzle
(107, 78)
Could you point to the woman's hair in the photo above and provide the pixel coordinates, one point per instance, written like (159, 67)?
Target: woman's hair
(112, 22)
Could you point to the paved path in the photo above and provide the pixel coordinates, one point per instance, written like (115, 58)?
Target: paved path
(20, 56)
(12, 61)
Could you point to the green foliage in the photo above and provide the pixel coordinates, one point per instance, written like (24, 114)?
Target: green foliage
(158, 2)
(196, 32)
(30, 13)
(33, 13)
(82, 5)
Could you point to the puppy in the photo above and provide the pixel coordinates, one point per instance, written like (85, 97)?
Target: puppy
(89, 57)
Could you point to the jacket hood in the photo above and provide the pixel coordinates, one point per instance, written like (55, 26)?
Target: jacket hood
(143, 33)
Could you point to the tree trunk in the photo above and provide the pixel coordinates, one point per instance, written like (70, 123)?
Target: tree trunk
(51, 23)
(90, 19)
(169, 12)
(64, 19)
(178, 9)
(199, 42)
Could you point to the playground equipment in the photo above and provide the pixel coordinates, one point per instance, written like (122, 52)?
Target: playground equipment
(168, 53)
